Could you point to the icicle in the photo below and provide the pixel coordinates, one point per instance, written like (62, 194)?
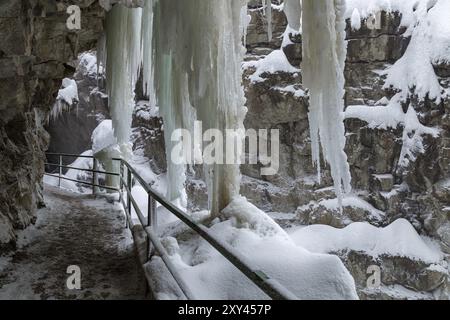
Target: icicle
(198, 56)
(122, 66)
(245, 22)
(123, 60)
(324, 56)
(293, 11)
(267, 8)
(147, 51)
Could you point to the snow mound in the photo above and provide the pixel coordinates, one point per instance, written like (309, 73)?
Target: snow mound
(88, 61)
(67, 97)
(273, 63)
(265, 245)
(348, 201)
(398, 239)
(69, 91)
(103, 137)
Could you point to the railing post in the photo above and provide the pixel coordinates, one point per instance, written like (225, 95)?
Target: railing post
(121, 181)
(151, 222)
(94, 176)
(129, 181)
(60, 170)
(152, 219)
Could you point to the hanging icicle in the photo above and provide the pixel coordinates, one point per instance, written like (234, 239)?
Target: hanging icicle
(123, 59)
(198, 56)
(324, 54)
(147, 51)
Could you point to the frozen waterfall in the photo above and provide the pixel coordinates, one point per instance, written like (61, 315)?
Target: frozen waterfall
(190, 53)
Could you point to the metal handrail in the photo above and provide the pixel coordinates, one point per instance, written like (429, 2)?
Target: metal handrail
(94, 183)
(269, 286)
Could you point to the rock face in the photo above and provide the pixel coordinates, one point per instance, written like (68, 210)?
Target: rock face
(36, 49)
(385, 190)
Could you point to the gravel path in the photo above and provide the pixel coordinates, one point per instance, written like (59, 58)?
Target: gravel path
(73, 230)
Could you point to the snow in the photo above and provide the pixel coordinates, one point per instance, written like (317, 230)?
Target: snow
(103, 137)
(82, 163)
(88, 61)
(146, 111)
(392, 116)
(69, 91)
(350, 201)
(297, 92)
(367, 8)
(287, 36)
(399, 292)
(398, 239)
(323, 74)
(273, 63)
(66, 98)
(258, 238)
(356, 20)
(428, 24)
(430, 43)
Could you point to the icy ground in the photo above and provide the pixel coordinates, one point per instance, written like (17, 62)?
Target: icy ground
(73, 230)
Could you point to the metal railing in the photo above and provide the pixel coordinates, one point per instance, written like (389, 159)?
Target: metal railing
(128, 176)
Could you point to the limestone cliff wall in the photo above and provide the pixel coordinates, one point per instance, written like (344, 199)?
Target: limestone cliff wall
(36, 49)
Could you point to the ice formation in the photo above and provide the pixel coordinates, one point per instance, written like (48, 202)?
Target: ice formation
(267, 6)
(67, 97)
(191, 54)
(197, 59)
(123, 60)
(323, 74)
(147, 51)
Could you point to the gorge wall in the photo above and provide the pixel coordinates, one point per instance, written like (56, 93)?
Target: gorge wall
(36, 51)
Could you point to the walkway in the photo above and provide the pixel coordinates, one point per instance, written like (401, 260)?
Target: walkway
(73, 230)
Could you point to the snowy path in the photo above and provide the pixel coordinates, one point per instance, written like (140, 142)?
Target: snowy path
(73, 230)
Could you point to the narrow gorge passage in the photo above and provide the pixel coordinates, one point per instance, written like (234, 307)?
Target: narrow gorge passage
(73, 230)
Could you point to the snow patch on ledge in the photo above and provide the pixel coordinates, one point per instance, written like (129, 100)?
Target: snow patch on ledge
(392, 116)
(349, 201)
(67, 97)
(292, 89)
(273, 63)
(398, 239)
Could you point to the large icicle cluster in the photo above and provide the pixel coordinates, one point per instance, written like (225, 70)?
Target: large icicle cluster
(198, 56)
(123, 60)
(324, 54)
(190, 53)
